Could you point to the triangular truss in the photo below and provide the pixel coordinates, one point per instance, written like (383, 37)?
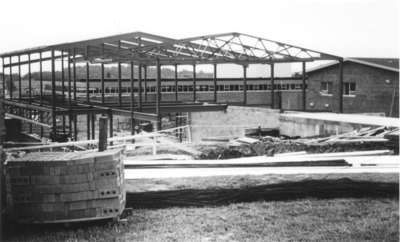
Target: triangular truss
(146, 48)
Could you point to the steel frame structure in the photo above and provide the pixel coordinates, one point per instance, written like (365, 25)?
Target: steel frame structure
(144, 50)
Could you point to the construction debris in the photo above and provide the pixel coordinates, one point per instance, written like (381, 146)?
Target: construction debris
(362, 140)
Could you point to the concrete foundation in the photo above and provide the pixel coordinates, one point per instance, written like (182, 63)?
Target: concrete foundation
(231, 123)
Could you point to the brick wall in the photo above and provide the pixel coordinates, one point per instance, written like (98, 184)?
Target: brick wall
(373, 94)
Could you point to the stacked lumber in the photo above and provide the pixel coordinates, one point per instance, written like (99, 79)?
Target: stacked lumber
(51, 187)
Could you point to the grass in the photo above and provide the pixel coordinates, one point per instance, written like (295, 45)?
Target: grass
(246, 208)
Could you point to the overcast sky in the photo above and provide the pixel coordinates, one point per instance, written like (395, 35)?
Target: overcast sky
(362, 28)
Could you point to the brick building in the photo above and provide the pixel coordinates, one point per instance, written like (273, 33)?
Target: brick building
(370, 85)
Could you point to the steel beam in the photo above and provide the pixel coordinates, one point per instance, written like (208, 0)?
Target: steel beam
(145, 83)
(19, 78)
(102, 82)
(74, 73)
(11, 81)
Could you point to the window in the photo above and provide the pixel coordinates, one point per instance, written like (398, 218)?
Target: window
(349, 88)
(326, 88)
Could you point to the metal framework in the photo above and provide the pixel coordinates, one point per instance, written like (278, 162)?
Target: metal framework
(142, 50)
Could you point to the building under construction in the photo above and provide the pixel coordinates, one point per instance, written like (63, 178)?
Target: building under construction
(55, 107)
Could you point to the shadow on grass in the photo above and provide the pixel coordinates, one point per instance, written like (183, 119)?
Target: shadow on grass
(319, 189)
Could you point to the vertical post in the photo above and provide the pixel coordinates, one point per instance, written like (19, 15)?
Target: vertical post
(158, 93)
(340, 86)
(41, 90)
(176, 82)
(110, 117)
(194, 82)
(119, 84)
(215, 82)
(87, 83)
(303, 87)
(93, 121)
(62, 77)
(140, 86)
(69, 78)
(145, 83)
(132, 99)
(244, 84)
(11, 80)
(102, 83)
(88, 116)
(74, 73)
(75, 127)
(63, 88)
(272, 76)
(53, 96)
(4, 79)
(19, 78)
(103, 133)
(30, 88)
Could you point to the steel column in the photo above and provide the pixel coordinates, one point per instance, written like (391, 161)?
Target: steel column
(340, 86)
(158, 93)
(215, 82)
(194, 82)
(62, 77)
(3, 77)
(145, 83)
(87, 83)
(132, 99)
(10, 86)
(303, 88)
(272, 77)
(19, 78)
(30, 89)
(74, 73)
(244, 85)
(53, 97)
(102, 83)
(41, 90)
(69, 79)
(176, 82)
(140, 86)
(119, 84)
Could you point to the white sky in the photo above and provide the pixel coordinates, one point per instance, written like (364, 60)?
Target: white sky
(349, 28)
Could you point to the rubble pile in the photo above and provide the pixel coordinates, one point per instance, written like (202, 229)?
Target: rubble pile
(362, 140)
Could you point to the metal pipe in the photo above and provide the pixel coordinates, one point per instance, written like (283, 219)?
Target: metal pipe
(4, 78)
(145, 83)
(30, 89)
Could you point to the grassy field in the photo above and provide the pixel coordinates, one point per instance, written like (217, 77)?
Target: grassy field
(358, 207)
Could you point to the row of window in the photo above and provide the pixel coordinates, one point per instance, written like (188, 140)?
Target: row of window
(349, 88)
(189, 88)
